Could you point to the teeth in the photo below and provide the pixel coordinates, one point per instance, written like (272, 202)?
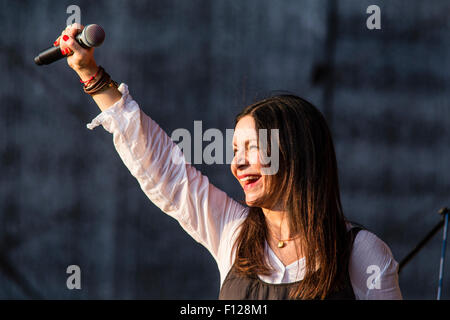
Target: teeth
(250, 178)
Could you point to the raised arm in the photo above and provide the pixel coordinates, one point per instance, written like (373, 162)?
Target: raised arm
(176, 187)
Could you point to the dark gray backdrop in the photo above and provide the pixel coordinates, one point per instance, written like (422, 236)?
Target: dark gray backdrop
(66, 197)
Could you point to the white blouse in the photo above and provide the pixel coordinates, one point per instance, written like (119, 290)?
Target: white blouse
(209, 215)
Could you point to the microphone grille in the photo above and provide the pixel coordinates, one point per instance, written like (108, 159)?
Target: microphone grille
(94, 35)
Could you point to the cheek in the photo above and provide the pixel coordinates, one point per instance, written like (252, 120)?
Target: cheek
(233, 169)
(254, 159)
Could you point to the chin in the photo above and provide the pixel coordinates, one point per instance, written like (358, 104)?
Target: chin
(251, 201)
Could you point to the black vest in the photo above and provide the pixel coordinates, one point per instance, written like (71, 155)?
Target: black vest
(238, 287)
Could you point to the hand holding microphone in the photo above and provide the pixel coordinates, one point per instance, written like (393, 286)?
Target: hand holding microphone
(77, 44)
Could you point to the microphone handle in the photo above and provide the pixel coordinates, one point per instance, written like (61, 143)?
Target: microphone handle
(53, 53)
(48, 56)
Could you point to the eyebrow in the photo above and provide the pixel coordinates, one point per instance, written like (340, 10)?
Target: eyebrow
(246, 141)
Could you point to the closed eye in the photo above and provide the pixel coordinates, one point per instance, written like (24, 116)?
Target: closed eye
(251, 147)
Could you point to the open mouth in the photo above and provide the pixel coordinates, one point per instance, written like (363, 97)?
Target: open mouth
(250, 181)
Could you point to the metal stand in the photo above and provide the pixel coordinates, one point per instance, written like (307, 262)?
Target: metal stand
(444, 246)
(444, 212)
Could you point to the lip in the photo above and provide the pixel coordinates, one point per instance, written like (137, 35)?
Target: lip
(248, 174)
(250, 186)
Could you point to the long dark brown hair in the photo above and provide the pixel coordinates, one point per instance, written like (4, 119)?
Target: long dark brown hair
(307, 185)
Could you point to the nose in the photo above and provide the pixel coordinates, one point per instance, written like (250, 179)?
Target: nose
(240, 159)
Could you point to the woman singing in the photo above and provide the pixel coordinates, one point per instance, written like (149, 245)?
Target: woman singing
(289, 239)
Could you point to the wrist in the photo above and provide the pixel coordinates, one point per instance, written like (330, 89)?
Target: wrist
(87, 72)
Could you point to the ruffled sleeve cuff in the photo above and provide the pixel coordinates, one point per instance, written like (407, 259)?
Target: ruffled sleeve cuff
(106, 116)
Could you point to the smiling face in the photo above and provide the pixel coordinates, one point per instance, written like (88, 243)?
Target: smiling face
(246, 164)
(305, 188)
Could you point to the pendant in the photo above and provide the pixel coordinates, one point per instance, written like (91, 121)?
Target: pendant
(281, 244)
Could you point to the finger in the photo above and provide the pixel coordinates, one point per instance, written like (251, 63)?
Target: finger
(69, 41)
(56, 43)
(74, 29)
(69, 52)
(62, 44)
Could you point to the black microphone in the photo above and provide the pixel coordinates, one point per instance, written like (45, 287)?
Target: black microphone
(91, 36)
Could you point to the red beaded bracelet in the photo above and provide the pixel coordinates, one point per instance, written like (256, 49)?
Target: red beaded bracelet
(92, 78)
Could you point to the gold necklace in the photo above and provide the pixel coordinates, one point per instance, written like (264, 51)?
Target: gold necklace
(281, 242)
